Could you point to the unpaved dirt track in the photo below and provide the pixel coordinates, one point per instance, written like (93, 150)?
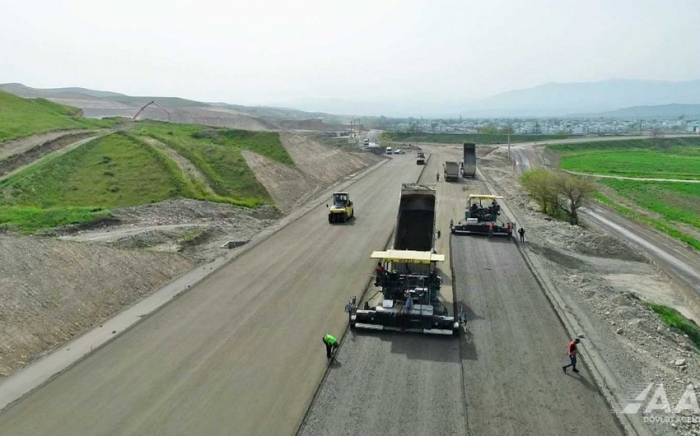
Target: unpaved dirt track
(681, 263)
(502, 377)
(240, 353)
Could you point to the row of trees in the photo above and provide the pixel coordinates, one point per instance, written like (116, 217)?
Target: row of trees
(559, 194)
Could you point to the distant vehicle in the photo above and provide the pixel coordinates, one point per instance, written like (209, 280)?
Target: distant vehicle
(451, 171)
(420, 160)
(389, 151)
(399, 151)
(366, 141)
(468, 164)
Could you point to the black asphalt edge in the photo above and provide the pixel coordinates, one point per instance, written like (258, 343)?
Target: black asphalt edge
(311, 205)
(460, 338)
(317, 391)
(595, 364)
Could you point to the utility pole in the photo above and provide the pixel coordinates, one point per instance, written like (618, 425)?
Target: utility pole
(508, 144)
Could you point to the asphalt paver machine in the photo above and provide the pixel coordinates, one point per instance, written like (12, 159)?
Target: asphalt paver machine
(407, 275)
(482, 216)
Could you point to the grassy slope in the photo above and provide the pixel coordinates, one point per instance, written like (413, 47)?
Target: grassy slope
(449, 138)
(672, 318)
(20, 117)
(80, 186)
(123, 170)
(217, 154)
(675, 202)
(634, 158)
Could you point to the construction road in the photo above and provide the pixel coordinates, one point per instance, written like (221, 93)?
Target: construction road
(241, 352)
(502, 376)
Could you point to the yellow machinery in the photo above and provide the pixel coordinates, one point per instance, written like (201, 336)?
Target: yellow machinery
(341, 209)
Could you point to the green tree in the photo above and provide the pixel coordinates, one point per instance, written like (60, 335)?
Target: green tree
(558, 194)
(575, 190)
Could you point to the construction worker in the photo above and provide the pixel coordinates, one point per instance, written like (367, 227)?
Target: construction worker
(490, 229)
(379, 269)
(380, 275)
(437, 176)
(572, 350)
(331, 344)
(521, 232)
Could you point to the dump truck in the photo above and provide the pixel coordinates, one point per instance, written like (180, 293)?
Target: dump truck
(482, 216)
(407, 274)
(469, 160)
(341, 208)
(451, 171)
(420, 159)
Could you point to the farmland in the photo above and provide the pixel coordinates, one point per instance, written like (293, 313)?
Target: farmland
(672, 158)
(673, 207)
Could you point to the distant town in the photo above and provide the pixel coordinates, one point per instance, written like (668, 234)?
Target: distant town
(543, 126)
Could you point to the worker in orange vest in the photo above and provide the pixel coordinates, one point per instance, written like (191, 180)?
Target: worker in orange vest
(572, 350)
(490, 229)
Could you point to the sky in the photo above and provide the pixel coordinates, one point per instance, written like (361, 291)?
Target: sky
(306, 52)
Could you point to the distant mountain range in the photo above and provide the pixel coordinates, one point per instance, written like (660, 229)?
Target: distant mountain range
(588, 97)
(659, 111)
(551, 99)
(609, 98)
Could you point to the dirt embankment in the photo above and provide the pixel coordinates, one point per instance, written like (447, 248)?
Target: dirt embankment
(52, 291)
(605, 284)
(317, 166)
(195, 229)
(21, 145)
(29, 151)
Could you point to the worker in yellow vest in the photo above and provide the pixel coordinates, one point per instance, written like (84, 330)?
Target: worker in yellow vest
(331, 344)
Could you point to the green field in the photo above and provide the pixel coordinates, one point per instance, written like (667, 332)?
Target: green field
(21, 117)
(457, 138)
(672, 158)
(676, 202)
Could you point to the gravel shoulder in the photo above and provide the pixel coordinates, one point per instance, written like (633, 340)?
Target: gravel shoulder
(52, 291)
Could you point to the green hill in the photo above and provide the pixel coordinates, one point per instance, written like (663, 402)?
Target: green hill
(21, 117)
(128, 169)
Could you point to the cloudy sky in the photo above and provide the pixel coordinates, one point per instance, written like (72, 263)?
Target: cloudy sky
(297, 51)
